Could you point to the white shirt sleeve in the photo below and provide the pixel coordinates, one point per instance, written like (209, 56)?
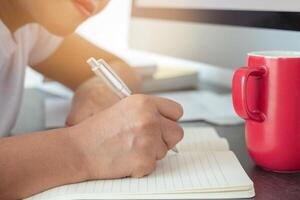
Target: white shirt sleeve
(46, 44)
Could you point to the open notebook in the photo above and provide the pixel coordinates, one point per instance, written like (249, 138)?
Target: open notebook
(204, 168)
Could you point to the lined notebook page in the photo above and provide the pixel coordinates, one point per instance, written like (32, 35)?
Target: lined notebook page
(186, 172)
(202, 139)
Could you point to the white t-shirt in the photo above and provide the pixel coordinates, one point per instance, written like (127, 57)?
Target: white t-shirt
(28, 46)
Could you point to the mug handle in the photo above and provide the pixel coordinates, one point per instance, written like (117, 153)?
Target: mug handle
(239, 93)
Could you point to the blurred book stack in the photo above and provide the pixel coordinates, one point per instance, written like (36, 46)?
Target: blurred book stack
(159, 78)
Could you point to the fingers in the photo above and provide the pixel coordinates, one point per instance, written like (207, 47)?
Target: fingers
(161, 149)
(144, 157)
(164, 122)
(168, 108)
(77, 115)
(172, 133)
(143, 167)
(144, 161)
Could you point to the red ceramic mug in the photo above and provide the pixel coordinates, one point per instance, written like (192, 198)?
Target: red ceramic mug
(266, 94)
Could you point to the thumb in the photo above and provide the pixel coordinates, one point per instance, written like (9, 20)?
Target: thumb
(77, 115)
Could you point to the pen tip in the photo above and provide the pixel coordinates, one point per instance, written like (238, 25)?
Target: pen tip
(175, 150)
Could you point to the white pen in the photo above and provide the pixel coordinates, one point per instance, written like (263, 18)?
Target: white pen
(113, 81)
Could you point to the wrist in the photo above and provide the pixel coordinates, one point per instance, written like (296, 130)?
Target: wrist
(77, 155)
(88, 144)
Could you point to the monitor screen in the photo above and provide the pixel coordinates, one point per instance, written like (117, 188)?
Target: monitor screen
(264, 13)
(216, 32)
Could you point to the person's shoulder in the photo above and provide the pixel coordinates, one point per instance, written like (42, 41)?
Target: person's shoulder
(27, 33)
(33, 32)
(37, 41)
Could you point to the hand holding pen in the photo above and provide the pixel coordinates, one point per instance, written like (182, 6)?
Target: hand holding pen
(113, 81)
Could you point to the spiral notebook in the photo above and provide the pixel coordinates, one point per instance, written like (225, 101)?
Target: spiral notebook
(204, 168)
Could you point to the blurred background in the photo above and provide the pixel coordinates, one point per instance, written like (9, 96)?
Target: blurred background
(203, 38)
(108, 29)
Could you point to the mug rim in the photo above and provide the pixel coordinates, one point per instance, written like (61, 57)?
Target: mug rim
(275, 54)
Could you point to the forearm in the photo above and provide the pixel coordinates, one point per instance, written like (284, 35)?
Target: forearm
(68, 64)
(36, 162)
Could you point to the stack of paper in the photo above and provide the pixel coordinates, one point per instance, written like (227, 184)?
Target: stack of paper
(170, 79)
(143, 65)
(204, 168)
(206, 105)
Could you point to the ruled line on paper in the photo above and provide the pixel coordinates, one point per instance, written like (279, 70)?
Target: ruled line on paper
(220, 169)
(175, 173)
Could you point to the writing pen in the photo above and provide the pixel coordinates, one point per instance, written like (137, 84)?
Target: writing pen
(112, 80)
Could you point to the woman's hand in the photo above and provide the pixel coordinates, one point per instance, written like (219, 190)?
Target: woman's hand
(90, 98)
(128, 138)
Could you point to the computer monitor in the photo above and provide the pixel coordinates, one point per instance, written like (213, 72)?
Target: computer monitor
(217, 32)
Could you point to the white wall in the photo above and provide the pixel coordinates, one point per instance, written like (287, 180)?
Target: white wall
(109, 29)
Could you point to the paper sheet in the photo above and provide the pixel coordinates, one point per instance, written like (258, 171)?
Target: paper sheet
(202, 139)
(205, 105)
(194, 171)
(197, 105)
